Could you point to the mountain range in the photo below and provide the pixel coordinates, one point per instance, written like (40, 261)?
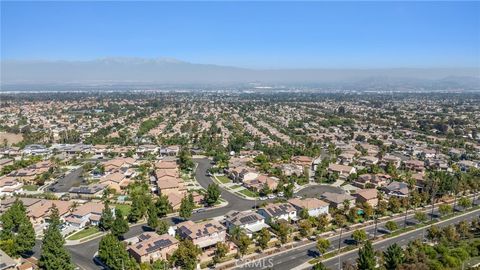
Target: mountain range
(159, 71)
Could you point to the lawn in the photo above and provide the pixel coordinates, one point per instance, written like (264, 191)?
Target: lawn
(83, 233)
(125, 208)
(248, 193)
(223, 179)
(30, 187)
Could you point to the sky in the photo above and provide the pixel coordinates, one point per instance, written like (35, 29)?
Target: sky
(248, 34)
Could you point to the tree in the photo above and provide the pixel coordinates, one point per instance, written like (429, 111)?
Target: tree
(106, 219)
(391, 225)
(323, 245)
(304, 227)
(463, 228)
(263, 238)
(445, 209)
(450, 234)
(54, 255)
(393, 257)
(120, 224)
(420, 216)
(282, 230)
(434, 233)
(113, 253)
(465, 202)
(394, 204)
(136, 211)
(163, 206)
(367, 210)
(17, 235)
(162, 227)
(303, 214)
(366, 257)
(186, 255)
(152, 220)
(359, 236)
(322, 222)
(288, 193)
(212, 195)
(339, 220)
(243, 243)
(186, 208)
(319, 266)
(221, 249)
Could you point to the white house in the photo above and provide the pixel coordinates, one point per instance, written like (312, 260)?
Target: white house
(248, 220)
(314, 206)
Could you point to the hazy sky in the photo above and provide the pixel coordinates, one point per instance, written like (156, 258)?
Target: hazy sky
(253, 34)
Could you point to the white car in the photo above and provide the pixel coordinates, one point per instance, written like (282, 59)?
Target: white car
(280, 194)
(263, 198)
(271, 196)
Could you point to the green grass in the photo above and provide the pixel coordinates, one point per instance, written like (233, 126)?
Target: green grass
(235, 186)
(223, 179)
(30, 187)
(248, 193)
(83, 233)
(125, 208)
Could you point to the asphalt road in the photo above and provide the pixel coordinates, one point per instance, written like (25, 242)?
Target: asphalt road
(72, 179)
(316, 191)
(293, 258)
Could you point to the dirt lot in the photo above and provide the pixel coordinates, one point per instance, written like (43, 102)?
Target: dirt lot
(11, 138)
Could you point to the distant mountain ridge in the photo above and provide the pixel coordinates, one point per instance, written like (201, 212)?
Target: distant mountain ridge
(120, 70)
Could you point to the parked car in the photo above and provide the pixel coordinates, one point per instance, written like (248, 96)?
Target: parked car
(271, 196)
(263, 198)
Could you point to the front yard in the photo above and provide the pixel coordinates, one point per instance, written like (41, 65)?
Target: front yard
(224, 179)
(83, 233)
(248, 193)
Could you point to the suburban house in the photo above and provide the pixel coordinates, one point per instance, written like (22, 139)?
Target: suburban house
(367, 160)
(342, 170)
(9, 186)
(85, 214)
(171, 150)
(275, 211)
(259, 182)
(303, 161)
(372, 180)
(118, 163)
(289, 169)
(248, 220)
(314, 206)
(92, 190)
(30, 173)
(117, 181)
(39, 211)
(336, 200)
(368, 195)
(398, 189)
(150, 247)
(414, 165)
(204, 234)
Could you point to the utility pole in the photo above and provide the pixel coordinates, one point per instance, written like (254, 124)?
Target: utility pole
(339, 245)
(406, 209)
